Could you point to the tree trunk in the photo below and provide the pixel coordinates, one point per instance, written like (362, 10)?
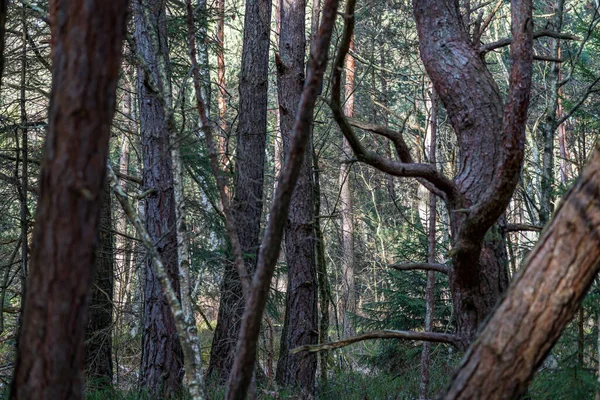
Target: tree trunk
(248, 180)
(221, 83)
(162, 359)
(489, 162)
(98, 336)
(86, 55)
(240, 377)
(348, 292)
(301, 318)
(429, 290)
(548, 125)
(541, 300)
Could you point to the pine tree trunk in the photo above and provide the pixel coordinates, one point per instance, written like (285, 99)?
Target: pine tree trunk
(248, 180)
(162, 358)
(86, 57)
(301, 318)
(348, 291)
(490, 162)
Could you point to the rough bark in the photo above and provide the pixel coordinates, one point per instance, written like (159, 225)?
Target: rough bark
(186, 330)
(547, 127)
(240, 377)
(98, 335)
(301, 318)
(542, 299)
(86, 57)
(489, 162)
(248, 180)
(348, 308)
(162, 358)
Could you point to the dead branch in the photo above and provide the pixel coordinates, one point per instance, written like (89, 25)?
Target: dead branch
(444, 269)
(386, 334)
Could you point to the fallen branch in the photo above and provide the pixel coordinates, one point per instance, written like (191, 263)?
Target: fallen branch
(444, 269)
(387, 334)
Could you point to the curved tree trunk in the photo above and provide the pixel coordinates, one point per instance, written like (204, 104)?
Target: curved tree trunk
(301, 319)
(162, 358)
(490, 150)
(248, 181)
(86, 57)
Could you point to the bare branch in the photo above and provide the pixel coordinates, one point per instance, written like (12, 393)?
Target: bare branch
(387, 334)
(486, 48)
(403, 169)
(522, 227)
(590, 89)
(444, 269)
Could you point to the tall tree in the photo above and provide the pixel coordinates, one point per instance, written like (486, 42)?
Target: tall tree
(98, 335)
(162, 358)
(489, 162)
(348, 259)
(301, 319)
(248, 180)
(86, 57)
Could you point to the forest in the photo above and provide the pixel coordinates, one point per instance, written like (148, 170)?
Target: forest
(282, 199)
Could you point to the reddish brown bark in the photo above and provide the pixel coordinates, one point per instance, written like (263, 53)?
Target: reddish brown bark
(240, 377)
(348, 308)
(162, 359)
(489, 162)
(300, 324)
(86, 55)
(248, 181)
(542, 299)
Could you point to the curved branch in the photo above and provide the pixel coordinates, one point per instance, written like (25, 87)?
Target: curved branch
(444, 269)
(402, 169)
(386, 334)
(494, 200)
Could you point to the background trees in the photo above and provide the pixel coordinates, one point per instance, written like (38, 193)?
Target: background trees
(484, 176)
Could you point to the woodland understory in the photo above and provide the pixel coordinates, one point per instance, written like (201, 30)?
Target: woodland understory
(281, 199)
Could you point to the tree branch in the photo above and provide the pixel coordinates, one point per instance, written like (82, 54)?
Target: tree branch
(444, 269)
(590, 89)
(402, 169)
(486, 48)
(386, 334)
(522, 227)
(493, 202)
